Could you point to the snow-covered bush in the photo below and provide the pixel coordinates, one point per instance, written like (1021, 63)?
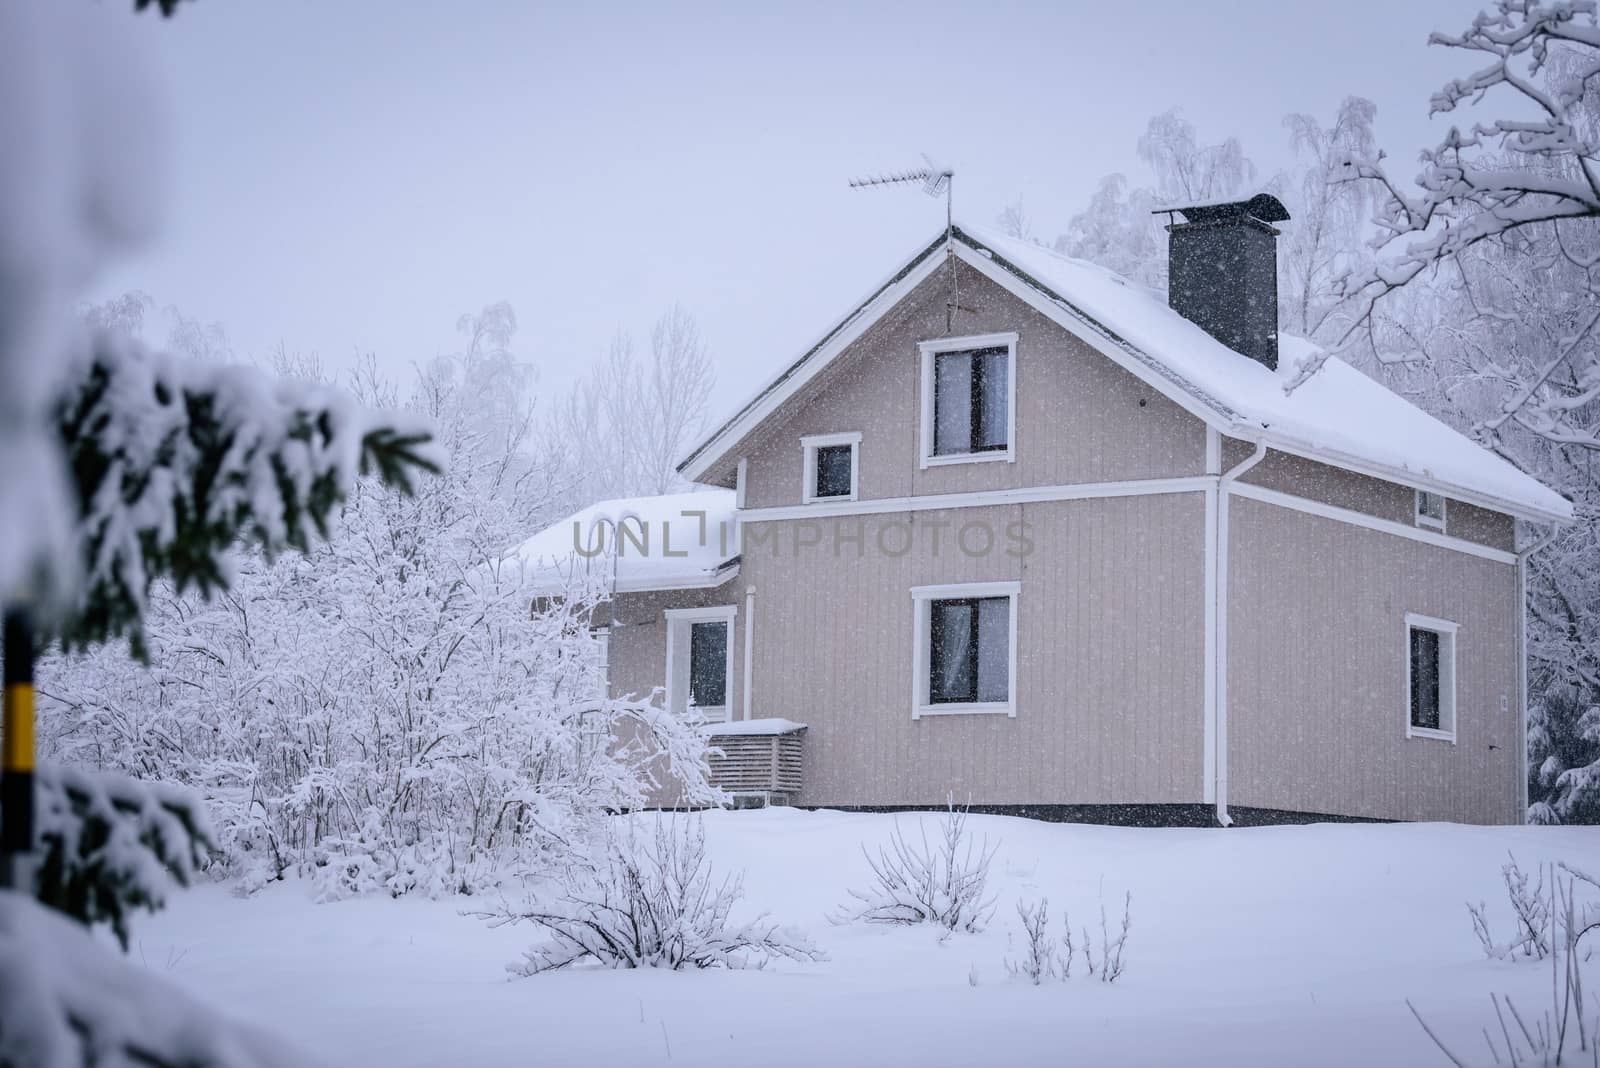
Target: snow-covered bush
(1108, 968)
(109, 844)
(652, 902)
(67, 1001)
(1532, 911)
(915, 881)
(403, 710)
(1562, 1033)
(1038, 960)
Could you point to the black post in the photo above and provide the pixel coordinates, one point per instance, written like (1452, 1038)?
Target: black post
(16, 751)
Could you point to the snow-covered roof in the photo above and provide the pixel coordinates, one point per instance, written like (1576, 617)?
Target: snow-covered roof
(745, 728)
(688, 541)
(1339, 415)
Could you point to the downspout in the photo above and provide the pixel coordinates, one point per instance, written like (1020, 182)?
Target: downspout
(1522, 666)
(1220, 637)
(749, 644)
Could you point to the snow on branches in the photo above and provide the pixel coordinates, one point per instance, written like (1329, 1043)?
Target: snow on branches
(1529, 184)
(109, 844)
(652, 903)
(402, 710)
(174, 460)
(915, 881)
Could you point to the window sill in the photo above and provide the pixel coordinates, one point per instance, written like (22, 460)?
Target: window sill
(1424, 524)
(983, 708)
(946, 459)
(837, 498)
(1424, 732)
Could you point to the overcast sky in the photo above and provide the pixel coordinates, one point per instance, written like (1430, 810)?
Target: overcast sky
(352, 176)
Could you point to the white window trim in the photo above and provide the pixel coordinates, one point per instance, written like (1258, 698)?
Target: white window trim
(722, 613)
(1447, 676)
(930, 349)
(1427, 522)
(921, 600)
(810, 444)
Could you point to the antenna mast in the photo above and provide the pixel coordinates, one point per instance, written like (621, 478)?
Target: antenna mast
(936, 181)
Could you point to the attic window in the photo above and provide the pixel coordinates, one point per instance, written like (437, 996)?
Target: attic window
(831, 467)
(1430, 510)
(968, 399)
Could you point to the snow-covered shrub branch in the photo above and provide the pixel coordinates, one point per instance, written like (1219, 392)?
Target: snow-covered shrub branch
(109, 844)
(1532, 912)
(1040, 959)
(652, 903)
(1561, 1033)
(917, 881)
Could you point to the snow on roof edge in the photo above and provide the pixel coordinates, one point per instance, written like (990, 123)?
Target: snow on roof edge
(1510, 490)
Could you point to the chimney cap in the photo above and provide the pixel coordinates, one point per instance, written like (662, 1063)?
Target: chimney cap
(1263, 207)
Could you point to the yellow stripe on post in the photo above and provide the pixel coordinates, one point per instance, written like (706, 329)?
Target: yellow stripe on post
(16, 732)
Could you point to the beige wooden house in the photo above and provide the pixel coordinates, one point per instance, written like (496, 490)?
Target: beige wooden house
(1021, 532)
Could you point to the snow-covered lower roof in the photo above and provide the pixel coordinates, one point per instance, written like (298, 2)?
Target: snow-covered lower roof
(675, 541)
(746, 728)
(1339, 415)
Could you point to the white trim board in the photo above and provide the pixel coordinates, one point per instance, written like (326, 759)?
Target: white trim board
(1361, 519)
(796, 375)
(980, 498)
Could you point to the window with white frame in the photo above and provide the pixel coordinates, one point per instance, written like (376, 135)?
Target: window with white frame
(968, 399)
(1430, 510)
(1430, 677)
(700, 660)
(964, 649)
(832, 467)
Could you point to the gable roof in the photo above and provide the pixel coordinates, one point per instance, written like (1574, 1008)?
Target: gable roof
(1338, 416)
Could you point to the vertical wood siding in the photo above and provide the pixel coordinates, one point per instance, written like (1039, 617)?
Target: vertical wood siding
(1316, 672)
(1079, 417)
(1362, 493)
(1109, 687)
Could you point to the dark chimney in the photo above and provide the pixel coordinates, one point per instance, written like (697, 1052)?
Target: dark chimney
(1223, 272)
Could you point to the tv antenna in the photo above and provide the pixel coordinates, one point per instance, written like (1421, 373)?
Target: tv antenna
(936, 181)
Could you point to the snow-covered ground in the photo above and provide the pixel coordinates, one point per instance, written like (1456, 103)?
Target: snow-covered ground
(1269, 946)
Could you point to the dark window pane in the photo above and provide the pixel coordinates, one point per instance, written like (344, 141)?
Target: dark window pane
(952, 403)
(969, 650)
(950, 670)
(993, 368)
(1425, 679)
(833, 471)
(708, 664)
(994, 649)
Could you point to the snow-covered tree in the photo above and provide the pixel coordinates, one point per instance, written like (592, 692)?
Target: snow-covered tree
(1484, 299)
(1119, 229)
(626, 425)
(402, 709)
